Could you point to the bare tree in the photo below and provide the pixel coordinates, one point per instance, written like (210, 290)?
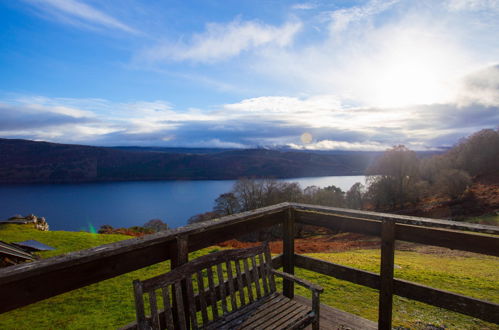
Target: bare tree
(393, 178)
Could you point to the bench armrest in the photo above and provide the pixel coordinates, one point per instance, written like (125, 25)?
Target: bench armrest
(302, 282)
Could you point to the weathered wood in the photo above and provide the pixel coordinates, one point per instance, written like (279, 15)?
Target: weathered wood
(385, 306)
(300, 281)
(213, 293)
(268, 261)
(230, 280)
(154, 309)
(181, 257)
(465, 241)
(19, 285)
(332, 318)
(401, 219)
(288, 243)
(281, 310)
(316, 302)
(181, 254)
(341, 272)
(478, 308)
(191, 302)
(337, 222)
(264, 272)
(202, 297)
(240, 283)
(249, 280)
(167, 312)
(139, 305)
(180, 306)
(221, 287)
(477, 243)
(256, 277)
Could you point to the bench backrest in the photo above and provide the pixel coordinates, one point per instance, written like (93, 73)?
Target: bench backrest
(205, 289)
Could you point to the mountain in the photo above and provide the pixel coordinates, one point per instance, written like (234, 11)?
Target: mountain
(24, 161)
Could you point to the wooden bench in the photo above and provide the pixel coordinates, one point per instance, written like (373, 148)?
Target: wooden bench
(229, 289)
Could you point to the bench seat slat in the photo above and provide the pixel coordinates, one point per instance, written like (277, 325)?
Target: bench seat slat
(285, 315)
(262, 316)
(243, 313)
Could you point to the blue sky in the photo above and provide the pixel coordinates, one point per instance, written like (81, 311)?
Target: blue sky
(351, 75)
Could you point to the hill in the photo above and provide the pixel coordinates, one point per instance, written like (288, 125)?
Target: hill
(23, 161)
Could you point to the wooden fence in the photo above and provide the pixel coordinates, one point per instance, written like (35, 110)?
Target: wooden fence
(20, 284)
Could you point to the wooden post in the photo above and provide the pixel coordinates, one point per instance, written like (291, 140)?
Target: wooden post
(386, 274)
(288, 244)
(181, 254)
(180, 257)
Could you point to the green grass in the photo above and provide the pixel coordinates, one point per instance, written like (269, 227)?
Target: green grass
(485, 220)
(471, 275)
(109, 304)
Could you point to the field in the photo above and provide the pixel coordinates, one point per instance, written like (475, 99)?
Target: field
(109, 304)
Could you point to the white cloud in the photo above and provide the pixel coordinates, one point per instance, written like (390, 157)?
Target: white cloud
(409, 56)
(480, 88)
(69, 10)
(473, 5)
(341, 145)
(304, 6)
(222, 41)
(342, 18)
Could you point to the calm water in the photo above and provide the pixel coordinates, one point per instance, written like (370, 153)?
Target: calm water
(124, 204)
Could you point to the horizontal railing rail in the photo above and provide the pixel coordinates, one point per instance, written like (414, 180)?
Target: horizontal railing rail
(19, 285)
(452, 301)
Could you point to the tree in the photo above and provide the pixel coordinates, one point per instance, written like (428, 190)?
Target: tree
(393, 178)
(226, 204)
(203, 217)
(452, 182)
(355, 196)
(105, 229)
(156, 225)
(477, 154)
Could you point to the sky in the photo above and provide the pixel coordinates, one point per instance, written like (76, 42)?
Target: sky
(318, 75)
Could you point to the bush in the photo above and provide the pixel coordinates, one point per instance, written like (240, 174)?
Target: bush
(452, 182)
(156, 225)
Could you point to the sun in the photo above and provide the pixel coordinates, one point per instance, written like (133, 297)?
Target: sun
(410, 71)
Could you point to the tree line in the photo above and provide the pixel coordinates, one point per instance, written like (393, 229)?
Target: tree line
(395, 180)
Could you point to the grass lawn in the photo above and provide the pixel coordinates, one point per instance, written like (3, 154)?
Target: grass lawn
(109, 304)
(485, 220)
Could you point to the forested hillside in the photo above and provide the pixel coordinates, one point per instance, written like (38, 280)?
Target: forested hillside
(23, 161)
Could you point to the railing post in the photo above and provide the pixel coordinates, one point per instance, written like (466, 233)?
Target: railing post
(386, 274)
(180, 257)
(288, 244)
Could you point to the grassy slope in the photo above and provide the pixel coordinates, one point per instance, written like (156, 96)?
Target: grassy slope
(109, 304)
(472, 275)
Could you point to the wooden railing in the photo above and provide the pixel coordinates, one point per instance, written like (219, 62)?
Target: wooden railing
(19, 285)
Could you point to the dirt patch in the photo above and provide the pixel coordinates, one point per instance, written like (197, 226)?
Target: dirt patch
(316, 244)
(346, 242)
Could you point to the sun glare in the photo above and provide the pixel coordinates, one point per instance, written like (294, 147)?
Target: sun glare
(408, 71)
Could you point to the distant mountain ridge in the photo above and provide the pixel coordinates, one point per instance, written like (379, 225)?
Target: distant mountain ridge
(24, 161)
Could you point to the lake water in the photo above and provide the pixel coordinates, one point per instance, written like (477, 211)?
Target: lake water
(86, 206)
